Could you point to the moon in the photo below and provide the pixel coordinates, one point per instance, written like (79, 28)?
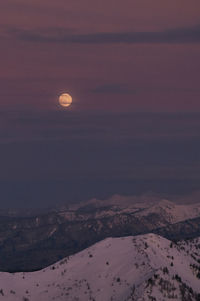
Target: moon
(65, 100)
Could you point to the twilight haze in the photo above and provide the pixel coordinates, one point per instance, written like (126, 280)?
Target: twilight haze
(133, 70)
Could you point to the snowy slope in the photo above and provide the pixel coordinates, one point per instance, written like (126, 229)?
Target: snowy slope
(121, 269)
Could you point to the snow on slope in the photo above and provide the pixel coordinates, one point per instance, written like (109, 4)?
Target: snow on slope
(120, 269)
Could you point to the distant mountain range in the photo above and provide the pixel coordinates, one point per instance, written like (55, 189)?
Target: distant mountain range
(141, 268)
(33, 241)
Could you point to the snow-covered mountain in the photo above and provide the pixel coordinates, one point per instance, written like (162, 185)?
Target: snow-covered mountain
(65, 231)
(171, 212)
(168, 211)
(146, 267)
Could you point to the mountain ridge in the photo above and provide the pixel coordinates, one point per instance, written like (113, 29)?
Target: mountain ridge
(33, 242)
(145, 267)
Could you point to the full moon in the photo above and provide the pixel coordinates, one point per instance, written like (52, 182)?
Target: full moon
(65, 100)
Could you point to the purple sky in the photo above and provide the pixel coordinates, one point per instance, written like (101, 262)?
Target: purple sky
(111, 55)
(133, 70)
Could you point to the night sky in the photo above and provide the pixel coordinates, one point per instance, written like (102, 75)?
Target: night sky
(133, 70)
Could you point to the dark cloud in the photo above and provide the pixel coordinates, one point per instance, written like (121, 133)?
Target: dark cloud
(48, 156)
(32, 125)
(114, 89)
(42, 194)
(61, 35)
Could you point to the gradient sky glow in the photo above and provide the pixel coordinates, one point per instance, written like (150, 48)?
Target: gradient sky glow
(133, 69)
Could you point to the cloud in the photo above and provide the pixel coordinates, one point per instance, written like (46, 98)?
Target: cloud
(96, 151)
(56, 125)
(62, 35)
(113, 89)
